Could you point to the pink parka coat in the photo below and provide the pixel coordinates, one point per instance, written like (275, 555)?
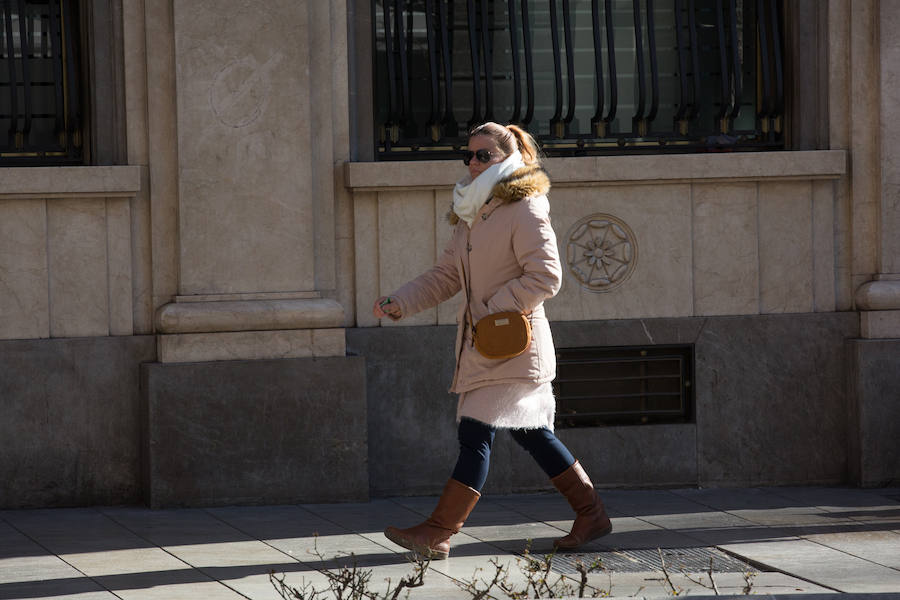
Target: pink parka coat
(512, 261)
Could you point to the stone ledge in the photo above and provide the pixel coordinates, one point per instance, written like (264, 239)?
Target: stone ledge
(249, 315)
(612, 170)
(68, 182)
(251, 345)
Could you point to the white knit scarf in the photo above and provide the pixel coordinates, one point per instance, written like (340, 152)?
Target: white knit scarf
(469, 195)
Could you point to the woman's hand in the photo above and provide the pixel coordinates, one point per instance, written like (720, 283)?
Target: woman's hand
(386, 307)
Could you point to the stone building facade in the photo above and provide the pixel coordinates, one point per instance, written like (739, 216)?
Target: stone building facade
(186, 319)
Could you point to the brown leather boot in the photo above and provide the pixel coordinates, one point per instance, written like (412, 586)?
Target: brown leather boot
(431, 538)
(591, 520)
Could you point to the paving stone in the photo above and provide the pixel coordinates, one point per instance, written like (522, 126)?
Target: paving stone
(23, 560)
(73, 530)
(638, 503)
(214, 548)
(880, 547)
(75, 589)
(826, 566)
(688, 522)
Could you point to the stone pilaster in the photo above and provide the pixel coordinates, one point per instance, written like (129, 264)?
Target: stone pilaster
(256, 196)
(881, 291)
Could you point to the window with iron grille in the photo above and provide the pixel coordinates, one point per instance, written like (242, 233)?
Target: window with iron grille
(40, 103)
(582, 76)
(624, 385)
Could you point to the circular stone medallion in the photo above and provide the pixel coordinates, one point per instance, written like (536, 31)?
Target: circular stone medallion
(601, 252)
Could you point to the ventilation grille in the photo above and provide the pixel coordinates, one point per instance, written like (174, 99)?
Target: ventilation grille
(624, 385)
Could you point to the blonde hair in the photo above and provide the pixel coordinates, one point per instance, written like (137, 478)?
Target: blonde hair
(510, 138)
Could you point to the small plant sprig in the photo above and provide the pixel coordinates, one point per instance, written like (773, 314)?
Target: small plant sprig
(349, 582)
(539, 583)
(673, 591)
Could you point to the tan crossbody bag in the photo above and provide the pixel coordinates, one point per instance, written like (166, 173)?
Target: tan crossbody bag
(498, 335)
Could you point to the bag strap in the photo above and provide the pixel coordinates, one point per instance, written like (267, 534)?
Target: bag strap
(466, 287)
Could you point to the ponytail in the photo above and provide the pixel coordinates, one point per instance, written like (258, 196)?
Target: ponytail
(526, 145)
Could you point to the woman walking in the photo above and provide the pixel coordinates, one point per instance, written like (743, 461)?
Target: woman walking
(503, 254)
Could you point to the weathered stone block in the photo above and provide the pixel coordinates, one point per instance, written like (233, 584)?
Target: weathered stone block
(874, 388)
(71, 420)
(255, 432)
(412, 427)
(770, 399)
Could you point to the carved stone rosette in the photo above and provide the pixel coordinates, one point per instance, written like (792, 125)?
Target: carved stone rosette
(601, 252)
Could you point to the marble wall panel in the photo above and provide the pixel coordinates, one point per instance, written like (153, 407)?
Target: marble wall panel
(785, 247)
(726, 260)
(660, 218)
(406, 244)
(443, 231)
(365, 223)
(24, 305)
(118, 243)
(77, 259)
(244, 147)
(824, 235)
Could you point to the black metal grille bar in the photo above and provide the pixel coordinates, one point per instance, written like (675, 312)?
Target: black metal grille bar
(56, 50)
(403, 55)
(517, 71)
(447, 121)
(529, 63)
(488, 54)
(73, 101)
(638, 124)
(654, 66)
(13, 132)
(774, 13)
(736, 79)
(611, 57)
(434, 117)
(476, 74)
(557, 127)
(597, 123)
(695, 59)
(715, 85)
(724, 80)
(26, 53)
(570, 63)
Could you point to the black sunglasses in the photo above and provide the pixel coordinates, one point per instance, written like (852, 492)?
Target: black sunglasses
(483, 156)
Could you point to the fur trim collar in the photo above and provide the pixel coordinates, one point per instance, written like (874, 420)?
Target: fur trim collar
(526, 182)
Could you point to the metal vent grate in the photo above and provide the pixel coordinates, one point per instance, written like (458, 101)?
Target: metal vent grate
(690, 560)
(625, 384)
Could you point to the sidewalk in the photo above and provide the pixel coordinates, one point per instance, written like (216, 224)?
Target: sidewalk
(796, 540)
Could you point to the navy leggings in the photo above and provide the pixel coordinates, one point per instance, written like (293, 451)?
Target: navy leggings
(476, 438)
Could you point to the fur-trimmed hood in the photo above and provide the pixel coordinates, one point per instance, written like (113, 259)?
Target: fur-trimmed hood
(526, 182)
